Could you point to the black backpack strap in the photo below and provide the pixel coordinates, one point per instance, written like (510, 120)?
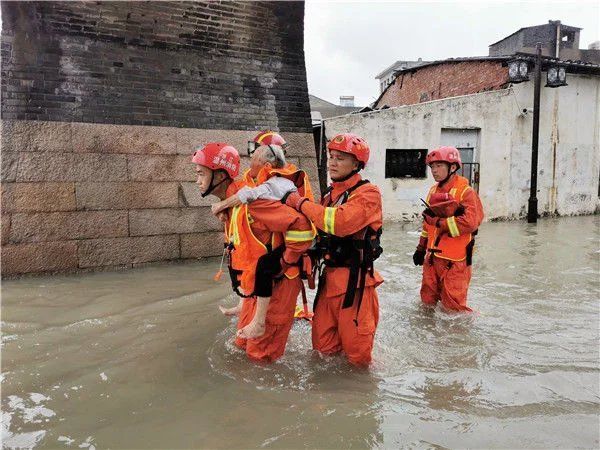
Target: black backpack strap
(325, 192)
(355, 270)
(357, 185)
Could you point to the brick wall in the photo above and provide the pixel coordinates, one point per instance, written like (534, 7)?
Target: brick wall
(183, 64)
(79, 196)
(102, 105)
(444, 80)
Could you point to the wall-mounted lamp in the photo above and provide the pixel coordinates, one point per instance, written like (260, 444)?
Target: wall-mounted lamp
(518, 70)
(556, 76)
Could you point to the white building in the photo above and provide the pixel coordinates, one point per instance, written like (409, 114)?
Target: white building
(494, 136)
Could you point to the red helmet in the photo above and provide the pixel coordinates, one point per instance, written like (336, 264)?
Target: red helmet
(444, 154)
(218, 155)
(351, 143)
(266, 137)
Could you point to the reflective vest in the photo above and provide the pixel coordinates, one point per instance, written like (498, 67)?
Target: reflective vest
(445, 246)
(357, 251)
(245, 248)
(290, 171)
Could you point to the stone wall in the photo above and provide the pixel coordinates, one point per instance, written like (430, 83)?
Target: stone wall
(182, 64)
(79, 196)
(102, 106)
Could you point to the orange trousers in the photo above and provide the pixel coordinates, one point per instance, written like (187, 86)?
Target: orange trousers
(280, 318)
(334, 329)
(447, 281)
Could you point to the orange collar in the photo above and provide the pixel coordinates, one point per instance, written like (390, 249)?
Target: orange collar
(455, 182)
(339, 187)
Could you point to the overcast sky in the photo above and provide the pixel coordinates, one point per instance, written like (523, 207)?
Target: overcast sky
(348, 43)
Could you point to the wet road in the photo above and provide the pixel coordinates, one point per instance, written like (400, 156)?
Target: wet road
(143, 359)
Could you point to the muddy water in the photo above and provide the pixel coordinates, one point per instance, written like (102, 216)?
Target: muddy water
(143, 359)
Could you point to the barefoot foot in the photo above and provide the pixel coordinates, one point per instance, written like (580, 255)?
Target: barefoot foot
(251, 331)
(235, 311)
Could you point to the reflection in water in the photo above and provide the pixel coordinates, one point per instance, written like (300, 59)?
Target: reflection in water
(144, 359)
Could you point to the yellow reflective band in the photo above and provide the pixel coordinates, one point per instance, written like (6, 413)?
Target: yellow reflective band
(452, 227)
(299, 236)
(453, 192)
(234, 223)
(431, 191)
(463, 192)
(329, 221)
(424, 233)
(260, 139)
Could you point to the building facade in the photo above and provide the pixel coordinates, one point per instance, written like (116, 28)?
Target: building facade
(387, 75)
(493, 134)
(558, 41)
(102, 106)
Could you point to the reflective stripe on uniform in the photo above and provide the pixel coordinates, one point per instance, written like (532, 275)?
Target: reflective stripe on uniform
(424, 234)
(463, 192)
(329, 220)
(234, 231)
(451, 221)
(431, 191)
(299, 236)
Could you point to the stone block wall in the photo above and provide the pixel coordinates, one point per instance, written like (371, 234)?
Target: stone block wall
(102, 105)
(79, 196)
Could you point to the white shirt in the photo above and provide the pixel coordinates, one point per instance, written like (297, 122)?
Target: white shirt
(272, 189)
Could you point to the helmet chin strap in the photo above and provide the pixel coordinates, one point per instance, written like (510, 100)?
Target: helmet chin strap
(350, 175)
(450, 173)
(212, 186)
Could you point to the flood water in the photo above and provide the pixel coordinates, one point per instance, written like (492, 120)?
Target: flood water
(143, 359)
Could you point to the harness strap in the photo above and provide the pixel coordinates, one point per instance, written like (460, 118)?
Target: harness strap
(355, 269)
(361, 291)
(320, 287)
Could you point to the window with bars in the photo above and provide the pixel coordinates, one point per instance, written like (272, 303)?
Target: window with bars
(405, 163)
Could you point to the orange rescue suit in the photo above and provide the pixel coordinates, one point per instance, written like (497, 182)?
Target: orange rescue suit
(446, 272)
(335, 328)
(251, 230)
(290, 171)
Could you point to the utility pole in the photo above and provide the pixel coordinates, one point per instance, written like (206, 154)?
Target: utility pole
(532, 211)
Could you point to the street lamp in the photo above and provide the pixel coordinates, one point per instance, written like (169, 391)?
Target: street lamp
(518, 70)
(556, 76)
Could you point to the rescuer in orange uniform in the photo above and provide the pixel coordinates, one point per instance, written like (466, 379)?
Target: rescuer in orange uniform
(349, 220)
(264, 181)
(262, 228)
(450, 223)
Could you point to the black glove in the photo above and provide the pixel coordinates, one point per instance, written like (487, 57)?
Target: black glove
(429, 212)
(419, 256)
